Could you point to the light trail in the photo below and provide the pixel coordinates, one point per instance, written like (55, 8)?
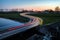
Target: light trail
(33, 22)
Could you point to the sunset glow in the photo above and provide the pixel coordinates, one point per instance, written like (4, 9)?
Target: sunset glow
(39, 8)
(29, 4)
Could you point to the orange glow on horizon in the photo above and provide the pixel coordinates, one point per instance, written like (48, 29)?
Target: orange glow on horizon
(39, 8)
(36, 8)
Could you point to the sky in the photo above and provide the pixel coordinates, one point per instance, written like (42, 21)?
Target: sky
(29, 4)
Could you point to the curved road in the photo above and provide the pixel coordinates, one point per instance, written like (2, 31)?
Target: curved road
(33, 22)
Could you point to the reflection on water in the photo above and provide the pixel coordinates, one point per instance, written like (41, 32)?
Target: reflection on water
(6, 23)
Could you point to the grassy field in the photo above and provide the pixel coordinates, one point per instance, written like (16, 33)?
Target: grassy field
(48, 18)
(14, 16)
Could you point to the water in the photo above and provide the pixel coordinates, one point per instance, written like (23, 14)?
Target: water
(6, 23)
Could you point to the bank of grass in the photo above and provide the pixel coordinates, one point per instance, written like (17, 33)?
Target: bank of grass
(14, 16)
(48, 18)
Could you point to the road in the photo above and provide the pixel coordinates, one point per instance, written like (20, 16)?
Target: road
(33, 22)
